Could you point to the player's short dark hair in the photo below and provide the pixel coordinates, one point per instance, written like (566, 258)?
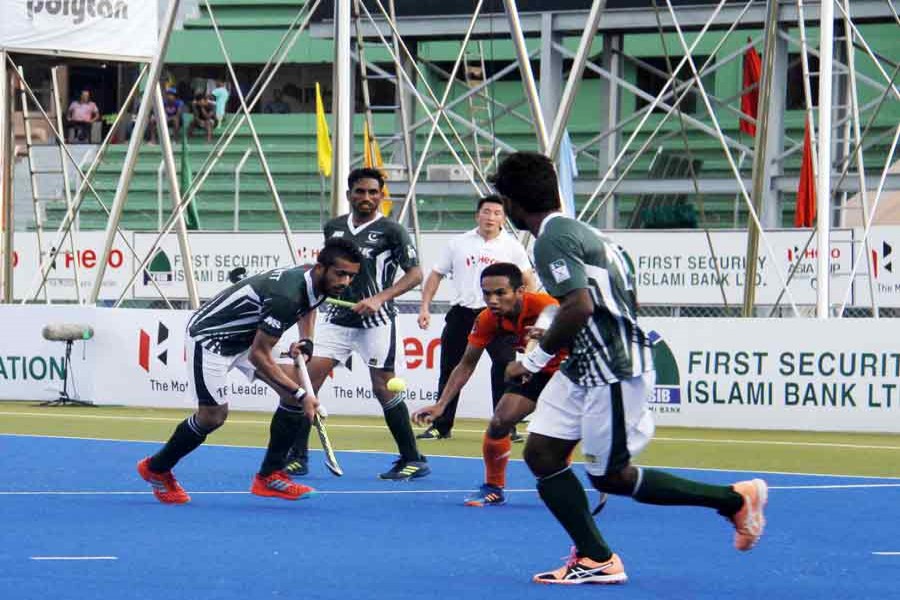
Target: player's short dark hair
(494, 198)
(365, 173)
(528, 179)
(339, 248)
(504, 269)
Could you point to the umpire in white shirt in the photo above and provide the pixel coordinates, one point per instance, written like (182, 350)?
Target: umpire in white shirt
(463, 260)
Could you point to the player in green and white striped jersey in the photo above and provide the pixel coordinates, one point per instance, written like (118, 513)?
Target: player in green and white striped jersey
(600, 396)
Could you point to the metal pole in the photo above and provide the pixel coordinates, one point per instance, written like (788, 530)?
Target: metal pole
(760, 157)
(237, 188)
(73, 246)
(7, 158)
(184, 245)
(823, 177)
(134, 145)
(159, 194)
(574, 80)
(528, 84)
(341, 107)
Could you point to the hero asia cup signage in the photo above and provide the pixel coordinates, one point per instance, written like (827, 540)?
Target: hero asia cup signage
(126, 29)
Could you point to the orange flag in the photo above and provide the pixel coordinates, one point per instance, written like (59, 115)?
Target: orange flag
(805, 212)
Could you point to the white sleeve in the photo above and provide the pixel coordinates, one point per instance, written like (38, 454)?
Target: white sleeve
(444, 264)
(518, 255)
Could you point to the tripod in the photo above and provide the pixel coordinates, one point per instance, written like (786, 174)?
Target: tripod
(64, 398)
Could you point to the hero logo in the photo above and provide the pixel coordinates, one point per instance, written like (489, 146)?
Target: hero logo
(887, 263)
(272, 322)
(146, 347)
(79, 10)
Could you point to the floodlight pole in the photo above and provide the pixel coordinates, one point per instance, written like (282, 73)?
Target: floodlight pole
(341, 107)
(7, 158)
(823, 176)
(134, 144)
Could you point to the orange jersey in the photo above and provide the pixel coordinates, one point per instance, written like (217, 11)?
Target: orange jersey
(488, 326)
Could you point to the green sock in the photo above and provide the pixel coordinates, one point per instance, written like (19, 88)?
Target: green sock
(282, 432)
(659, 487)
(397, 419)
(564, 496)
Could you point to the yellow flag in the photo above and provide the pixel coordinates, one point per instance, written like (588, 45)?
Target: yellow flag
(372, 159)
(323, 138)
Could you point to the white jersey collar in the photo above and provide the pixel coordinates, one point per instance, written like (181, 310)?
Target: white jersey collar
(546, 220)
(310, 290)
(356, 230)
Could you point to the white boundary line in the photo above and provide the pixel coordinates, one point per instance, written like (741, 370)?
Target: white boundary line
(886, 553)
(673, 468)
(74, 557)
(677, 440)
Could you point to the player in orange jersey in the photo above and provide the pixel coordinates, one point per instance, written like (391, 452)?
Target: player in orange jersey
(511, 313)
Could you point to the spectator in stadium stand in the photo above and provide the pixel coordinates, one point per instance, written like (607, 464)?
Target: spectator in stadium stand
(82, 115)
(174, 108)
(221, 95)
(463, 260)
(204, 115)
(277, 106)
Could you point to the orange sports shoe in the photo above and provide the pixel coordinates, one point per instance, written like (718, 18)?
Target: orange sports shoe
(749, 522)
(579, 569)
(165, 486)
(279, 485)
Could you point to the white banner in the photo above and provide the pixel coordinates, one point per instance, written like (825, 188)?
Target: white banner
(61, 280)
(799, 374)
(123, 29)
(684, 267)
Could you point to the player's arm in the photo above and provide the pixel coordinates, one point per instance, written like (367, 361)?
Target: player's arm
(432, 283)
(459, 377)
(306, 326)
(268, 370)
(530, 281)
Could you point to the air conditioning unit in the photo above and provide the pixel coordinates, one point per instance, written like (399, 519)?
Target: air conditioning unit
(394, 172)
(450, 173)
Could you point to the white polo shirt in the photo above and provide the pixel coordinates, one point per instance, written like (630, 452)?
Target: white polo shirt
(466, 256)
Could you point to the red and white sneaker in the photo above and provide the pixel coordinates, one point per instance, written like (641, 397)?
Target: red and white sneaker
(279, 485)
(579, 569)
(165, 486)
(750, 521)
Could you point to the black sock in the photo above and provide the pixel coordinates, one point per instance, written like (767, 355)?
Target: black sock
(396, 415)
(564, 496)
(300, 449)
(282, 432)
(185, 439)
(659, 487)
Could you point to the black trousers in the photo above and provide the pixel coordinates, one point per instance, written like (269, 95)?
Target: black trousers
(454, 338)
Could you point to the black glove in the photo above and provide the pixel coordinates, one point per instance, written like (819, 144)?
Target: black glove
(306, 348)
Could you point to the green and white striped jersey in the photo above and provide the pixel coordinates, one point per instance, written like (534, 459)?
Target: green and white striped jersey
(269, 302)
(570, 255)
(385, 246)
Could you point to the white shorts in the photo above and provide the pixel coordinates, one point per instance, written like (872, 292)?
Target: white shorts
(613, 421)
(208, 372)
(376, 345)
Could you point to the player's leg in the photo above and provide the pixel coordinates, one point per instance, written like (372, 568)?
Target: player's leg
(622, 410)
(378, 348)
(454, 338)
(207, 382)
(554, 431)
(501, 352)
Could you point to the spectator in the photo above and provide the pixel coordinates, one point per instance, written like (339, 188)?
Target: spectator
(277, 106)
(82, 115)
(221, 95)
(204, 114)
(174, 108)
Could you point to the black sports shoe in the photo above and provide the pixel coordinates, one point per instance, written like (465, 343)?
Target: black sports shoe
(433, 434)
(296, 468)
(404, 470)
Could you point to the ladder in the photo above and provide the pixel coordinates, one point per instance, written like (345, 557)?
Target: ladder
(480, 110)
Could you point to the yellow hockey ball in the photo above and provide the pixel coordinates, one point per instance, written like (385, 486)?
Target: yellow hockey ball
(396, 384)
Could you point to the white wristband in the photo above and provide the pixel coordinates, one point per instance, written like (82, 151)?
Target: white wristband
(299, 394)
(536, 360)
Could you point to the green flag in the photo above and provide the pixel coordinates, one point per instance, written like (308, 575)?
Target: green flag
(191, 216)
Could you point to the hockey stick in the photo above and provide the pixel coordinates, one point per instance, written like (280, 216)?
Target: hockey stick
(330, 459)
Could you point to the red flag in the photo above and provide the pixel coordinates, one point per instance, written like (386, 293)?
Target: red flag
(805, 212)
(750, 99)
